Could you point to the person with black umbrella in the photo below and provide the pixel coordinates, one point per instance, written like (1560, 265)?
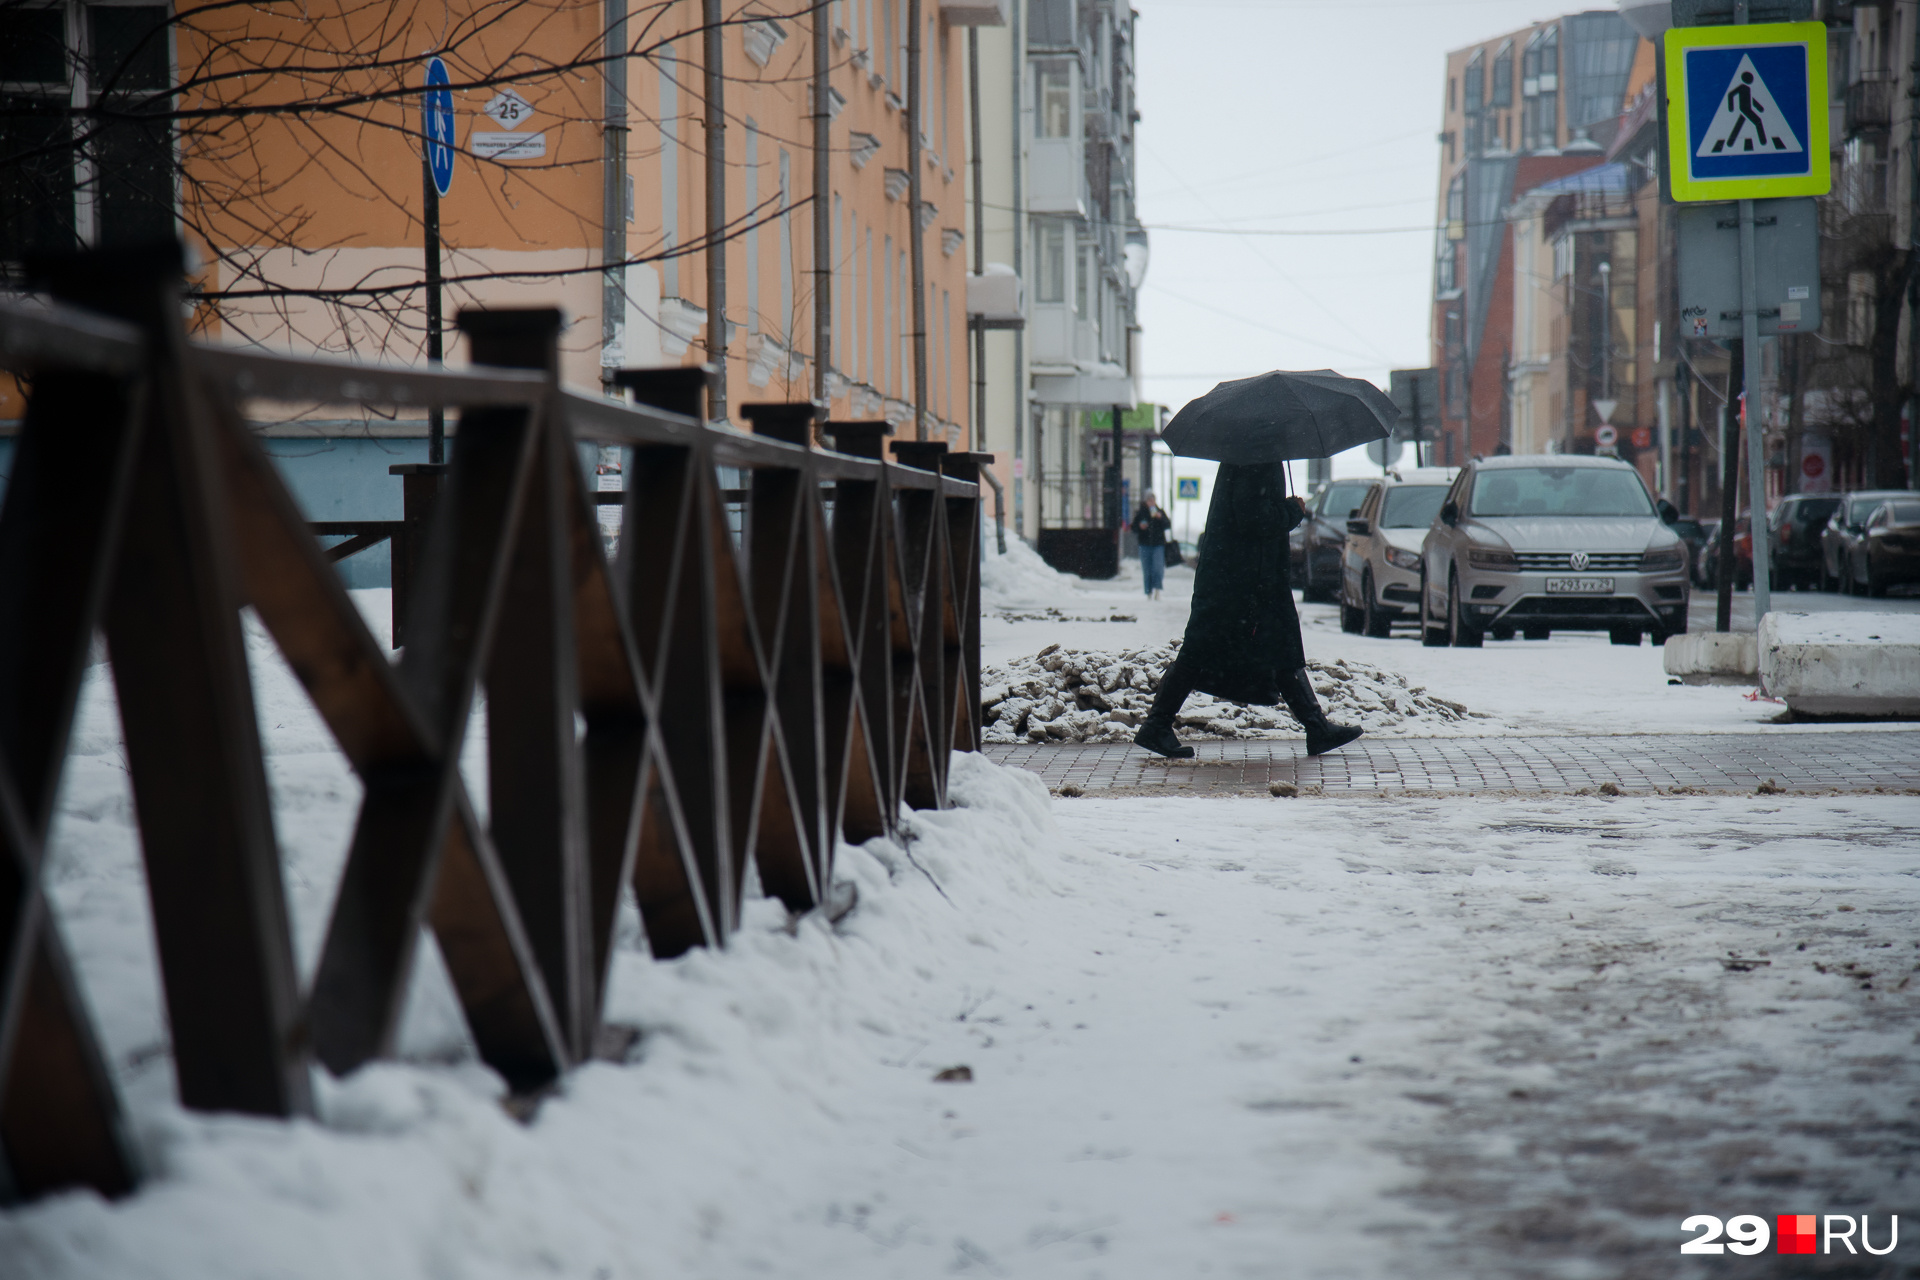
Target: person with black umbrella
(1243, 635)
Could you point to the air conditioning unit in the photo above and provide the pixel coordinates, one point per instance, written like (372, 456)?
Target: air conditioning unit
(974, 13)
(994, 297)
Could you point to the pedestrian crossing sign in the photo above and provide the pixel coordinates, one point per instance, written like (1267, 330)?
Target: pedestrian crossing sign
(1746, 111)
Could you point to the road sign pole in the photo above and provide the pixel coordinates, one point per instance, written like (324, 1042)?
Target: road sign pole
(1756, 430)
(430, 220)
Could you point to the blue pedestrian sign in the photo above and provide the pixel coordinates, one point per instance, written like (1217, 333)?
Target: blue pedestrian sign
(436, 111)
(1746, 111)
(1188, 489)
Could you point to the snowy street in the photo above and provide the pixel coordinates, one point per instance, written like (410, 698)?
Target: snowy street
(1235, 1037)
(1351, 1037)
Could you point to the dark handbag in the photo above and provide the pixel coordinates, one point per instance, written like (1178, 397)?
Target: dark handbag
(1173, 553)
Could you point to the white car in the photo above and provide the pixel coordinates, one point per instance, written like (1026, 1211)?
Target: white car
(1380, 571)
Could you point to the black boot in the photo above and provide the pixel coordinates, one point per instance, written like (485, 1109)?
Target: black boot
(1322, 734)
(1156, 731)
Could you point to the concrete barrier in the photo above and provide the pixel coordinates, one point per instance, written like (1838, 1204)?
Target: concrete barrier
(1712, 657)
(1865, 664)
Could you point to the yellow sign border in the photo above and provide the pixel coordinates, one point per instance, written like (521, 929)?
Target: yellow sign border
(1680, 182)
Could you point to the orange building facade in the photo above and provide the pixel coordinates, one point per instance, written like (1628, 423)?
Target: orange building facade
(581, 130)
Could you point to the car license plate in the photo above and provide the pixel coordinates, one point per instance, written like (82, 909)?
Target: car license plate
(1579, 586)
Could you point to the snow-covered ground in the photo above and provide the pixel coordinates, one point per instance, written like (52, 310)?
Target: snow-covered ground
(1289, 1038)
(1574, 683)
(1232, 1037)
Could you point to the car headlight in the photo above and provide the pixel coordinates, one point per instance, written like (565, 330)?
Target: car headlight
(1668, 561)
(1498, 561)
(1402, 559)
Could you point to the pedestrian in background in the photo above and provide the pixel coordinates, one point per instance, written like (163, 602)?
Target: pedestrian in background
(1243, 636)
(1150, 528)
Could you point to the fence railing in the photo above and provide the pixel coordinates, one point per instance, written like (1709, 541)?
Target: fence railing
(757, 673)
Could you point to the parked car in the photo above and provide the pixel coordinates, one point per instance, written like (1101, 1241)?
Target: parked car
(1380, 578)
(1846, 526)
(1887, 554)
(1551, 542)
(1701, 573)
(1694, 533)
(1320, 541)
(1742, 557)
(1793, 539)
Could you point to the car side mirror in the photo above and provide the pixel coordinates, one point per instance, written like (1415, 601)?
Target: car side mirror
(1668, 512)
(1359, 526)
(1450, 513)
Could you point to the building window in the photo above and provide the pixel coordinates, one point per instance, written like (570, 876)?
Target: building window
(1540, 87)
(1053, 95)
(84, 181)
(1050, 260)
(1476, 83)
(1503, 76)
(1082, 279)
(1452, 97)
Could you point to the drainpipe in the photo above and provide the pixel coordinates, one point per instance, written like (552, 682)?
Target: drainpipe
(1913, 275)
(613, 233)
(716, 88)
(979, 254)
(822, 202)
(915, 76)
(1018, 382)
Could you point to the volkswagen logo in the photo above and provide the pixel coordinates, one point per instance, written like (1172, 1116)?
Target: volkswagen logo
(1578, 561)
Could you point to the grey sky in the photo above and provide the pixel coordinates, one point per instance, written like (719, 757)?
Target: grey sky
(1300, 116)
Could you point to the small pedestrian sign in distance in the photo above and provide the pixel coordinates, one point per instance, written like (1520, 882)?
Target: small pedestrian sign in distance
(1188, 488)
(1746, 111)
(436, 118)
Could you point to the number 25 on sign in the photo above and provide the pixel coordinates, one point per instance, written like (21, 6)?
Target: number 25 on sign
(1746, 111)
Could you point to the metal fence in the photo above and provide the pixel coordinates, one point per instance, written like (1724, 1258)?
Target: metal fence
(758, 672)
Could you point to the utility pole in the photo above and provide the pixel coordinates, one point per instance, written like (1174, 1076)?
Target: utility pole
(714, 47)
(613, 234)
(822, 200)
(916, 121)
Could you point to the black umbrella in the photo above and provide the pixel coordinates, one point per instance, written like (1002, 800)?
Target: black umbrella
(1273, 417)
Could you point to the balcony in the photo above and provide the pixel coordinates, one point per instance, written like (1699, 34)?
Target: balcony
(1869, 105)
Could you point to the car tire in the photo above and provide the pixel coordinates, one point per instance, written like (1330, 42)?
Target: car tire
(1846, 577)
(1624, 635)
(1502, 633)
(1431, 636)
(1374, 622)
(1460, 633)
(1875, 587)
(1537, 633)
(1350, 618)
(1658, 638)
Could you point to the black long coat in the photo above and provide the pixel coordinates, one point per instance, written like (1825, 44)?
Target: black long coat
(1243, 630)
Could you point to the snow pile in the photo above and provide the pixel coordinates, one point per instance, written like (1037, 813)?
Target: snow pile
(1090, 695)
(752, 1063)
(1020, 578)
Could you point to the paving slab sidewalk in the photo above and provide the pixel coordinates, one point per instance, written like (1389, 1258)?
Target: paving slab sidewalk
(1722, 762)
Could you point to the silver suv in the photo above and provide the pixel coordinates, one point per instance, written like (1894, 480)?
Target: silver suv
(1535, 544)
(1380, 575)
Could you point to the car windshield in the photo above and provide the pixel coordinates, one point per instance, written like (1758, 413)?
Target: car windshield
(1903, 513)
(1862, 505)
(1412, 506)
(1560, 491)
(1341, 499)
